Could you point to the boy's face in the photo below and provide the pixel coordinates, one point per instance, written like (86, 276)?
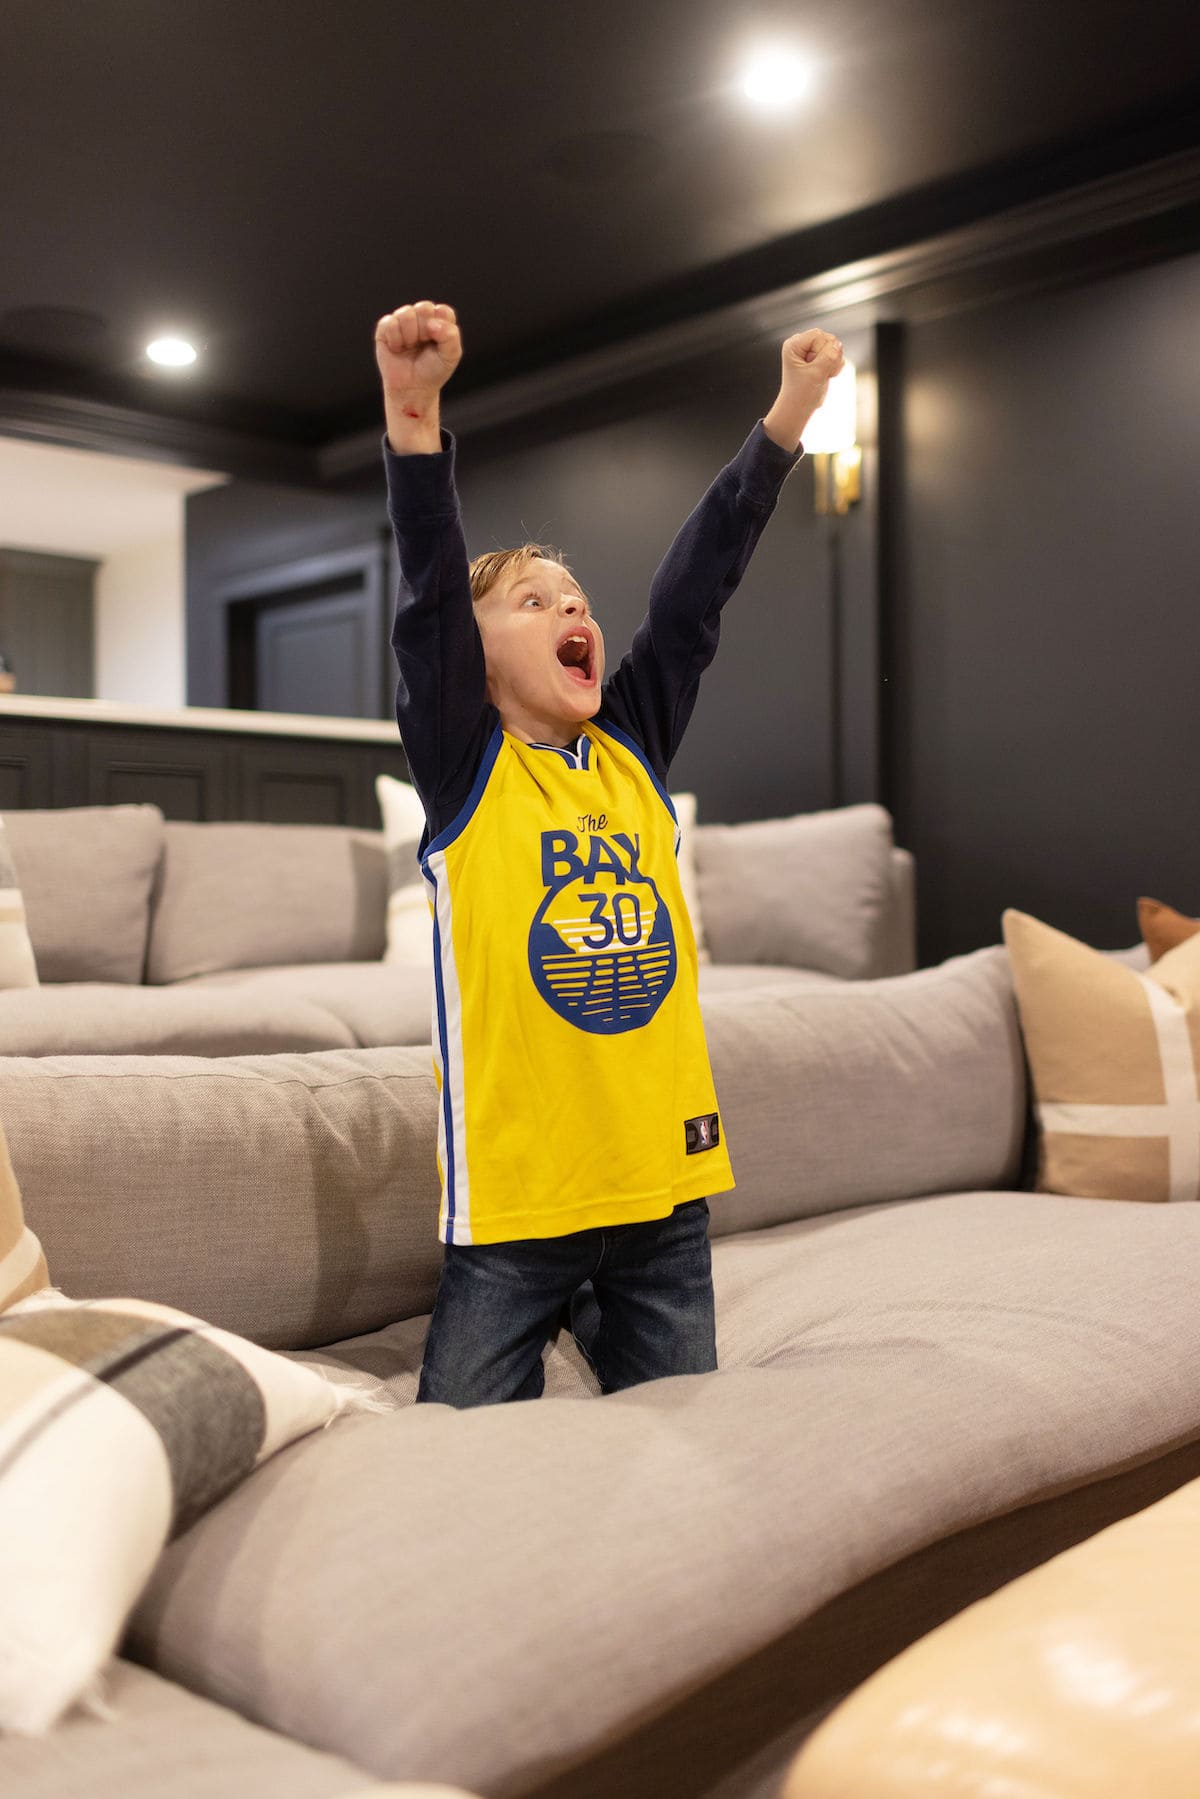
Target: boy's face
(544, 653)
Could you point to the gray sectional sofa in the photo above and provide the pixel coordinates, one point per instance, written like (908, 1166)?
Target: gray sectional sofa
(931, 1378)
(157, 937)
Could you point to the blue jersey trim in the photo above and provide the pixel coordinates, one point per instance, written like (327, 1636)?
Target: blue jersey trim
(447, 1108)
(576, 758)
(466, 812)
(635, 749)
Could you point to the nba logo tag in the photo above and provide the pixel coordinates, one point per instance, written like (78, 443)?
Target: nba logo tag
(701, 1133)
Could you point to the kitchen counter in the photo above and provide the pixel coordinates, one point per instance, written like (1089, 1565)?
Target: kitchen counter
(199, 718)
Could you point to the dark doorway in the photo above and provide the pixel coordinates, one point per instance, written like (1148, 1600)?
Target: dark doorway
(311, 637)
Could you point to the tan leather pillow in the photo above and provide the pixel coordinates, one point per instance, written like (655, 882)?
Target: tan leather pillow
(1163, 928)
(1078, 1679)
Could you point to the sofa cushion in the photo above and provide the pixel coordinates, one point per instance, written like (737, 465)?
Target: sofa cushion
(291, 1198)
(1114, 1055)
(811, 891)
(97, 1019)
(122, 1423)
(22, 1264)
(156, 1741)
(379, 1003)
(86, 875)
(17, 965)
(741, 977)
(845, 1093)
(888, 1377)
(250, 895)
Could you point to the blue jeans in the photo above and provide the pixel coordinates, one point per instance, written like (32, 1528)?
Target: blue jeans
(645, 1309)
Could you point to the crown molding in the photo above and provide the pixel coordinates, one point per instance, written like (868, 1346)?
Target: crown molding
(1035, 245)
(75, 423)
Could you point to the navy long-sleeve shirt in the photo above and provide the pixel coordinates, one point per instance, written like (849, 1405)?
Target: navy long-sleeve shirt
(442, 709)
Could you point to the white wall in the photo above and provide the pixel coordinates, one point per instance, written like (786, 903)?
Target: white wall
(140, 621)
(129, 515)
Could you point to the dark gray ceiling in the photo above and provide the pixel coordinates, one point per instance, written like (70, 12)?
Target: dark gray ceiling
(270, 177)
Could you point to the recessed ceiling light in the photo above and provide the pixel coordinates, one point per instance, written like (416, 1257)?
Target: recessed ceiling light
(171, 352)
(773, 78)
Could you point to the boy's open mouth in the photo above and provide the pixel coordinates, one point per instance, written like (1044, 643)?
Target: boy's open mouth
(575, 654)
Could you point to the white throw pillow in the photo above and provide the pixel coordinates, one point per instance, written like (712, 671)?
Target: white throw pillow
(685, 812)
(17, 965)
(409, 921)
(120, 1423)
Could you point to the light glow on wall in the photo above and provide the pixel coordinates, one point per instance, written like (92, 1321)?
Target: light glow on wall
(833, 426)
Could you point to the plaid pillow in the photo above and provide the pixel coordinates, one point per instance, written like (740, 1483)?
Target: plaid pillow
(120, 1423)
(17, 966)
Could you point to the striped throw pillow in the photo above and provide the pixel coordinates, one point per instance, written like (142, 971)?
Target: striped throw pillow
(1114, 1056)
(22, 1264)
(17, 966)
(120, 1423)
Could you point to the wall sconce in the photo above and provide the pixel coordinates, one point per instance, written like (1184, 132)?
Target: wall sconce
(829, 439)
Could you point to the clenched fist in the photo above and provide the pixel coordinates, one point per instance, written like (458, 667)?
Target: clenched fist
(810, 361)
(417, 347)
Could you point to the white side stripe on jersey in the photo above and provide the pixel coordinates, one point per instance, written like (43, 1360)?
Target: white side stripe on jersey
(448, 1052)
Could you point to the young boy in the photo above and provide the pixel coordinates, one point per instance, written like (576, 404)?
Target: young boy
(579, 1135)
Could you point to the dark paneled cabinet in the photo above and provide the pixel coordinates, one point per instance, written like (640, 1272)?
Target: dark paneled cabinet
(193, 774)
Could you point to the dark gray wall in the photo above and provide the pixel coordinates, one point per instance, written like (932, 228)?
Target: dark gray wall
(1048, 628)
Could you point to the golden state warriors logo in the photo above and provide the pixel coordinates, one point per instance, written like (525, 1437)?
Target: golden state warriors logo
(601, 946)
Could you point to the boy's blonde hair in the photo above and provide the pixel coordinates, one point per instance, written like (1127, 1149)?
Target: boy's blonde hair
(501, 565)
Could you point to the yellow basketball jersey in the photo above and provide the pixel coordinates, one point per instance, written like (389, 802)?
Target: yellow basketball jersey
(574, 1080)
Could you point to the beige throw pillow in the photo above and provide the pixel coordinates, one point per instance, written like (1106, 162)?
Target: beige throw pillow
(1113, 1054)
(812, 891)
(17, 965)
(87, 874)
(22, 1264)
(237, 894)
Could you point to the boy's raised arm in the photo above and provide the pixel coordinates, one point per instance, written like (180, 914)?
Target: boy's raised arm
(652, 693)
(441, 687)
